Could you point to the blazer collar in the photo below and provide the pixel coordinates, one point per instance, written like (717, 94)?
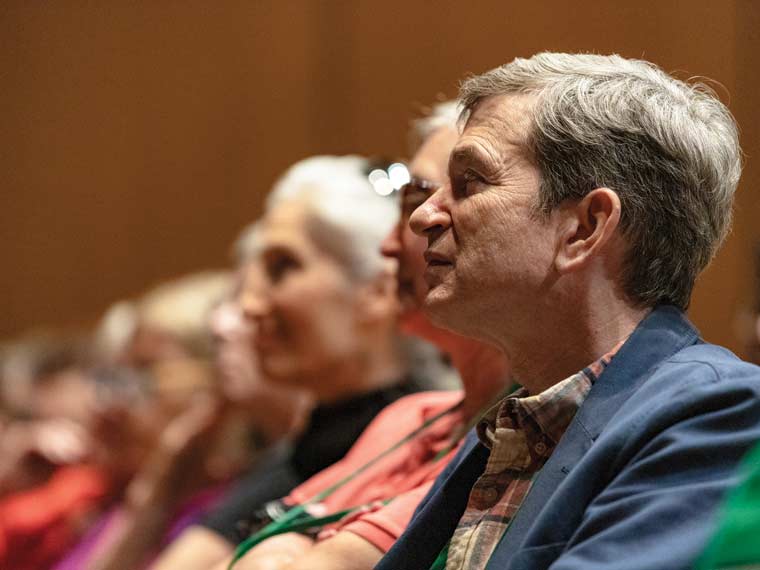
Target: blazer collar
(661, 334)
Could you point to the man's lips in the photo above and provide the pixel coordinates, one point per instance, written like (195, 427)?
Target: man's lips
(437, 266)
(433, 258)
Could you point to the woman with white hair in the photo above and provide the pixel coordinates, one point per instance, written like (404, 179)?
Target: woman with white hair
(321, 299)
(416, 432)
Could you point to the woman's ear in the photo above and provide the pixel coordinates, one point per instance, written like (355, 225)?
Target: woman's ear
(586, 229)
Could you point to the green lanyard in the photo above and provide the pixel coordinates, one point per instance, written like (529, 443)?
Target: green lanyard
(443, 556)
(297, 519)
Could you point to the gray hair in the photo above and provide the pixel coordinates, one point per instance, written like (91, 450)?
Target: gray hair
(348, 218)
(248, 243)
(668, 148)
(444, 114)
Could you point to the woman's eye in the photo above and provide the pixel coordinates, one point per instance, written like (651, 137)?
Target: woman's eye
(278, 267)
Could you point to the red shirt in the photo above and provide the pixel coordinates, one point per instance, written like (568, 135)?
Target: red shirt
(39, 525)
(405, 475)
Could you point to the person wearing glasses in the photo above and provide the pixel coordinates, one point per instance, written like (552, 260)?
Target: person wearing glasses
(422, 431)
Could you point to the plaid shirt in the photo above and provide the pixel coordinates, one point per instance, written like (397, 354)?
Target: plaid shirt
(521, 432)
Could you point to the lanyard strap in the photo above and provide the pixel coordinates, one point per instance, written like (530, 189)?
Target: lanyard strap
(298, 519)
(442, 558)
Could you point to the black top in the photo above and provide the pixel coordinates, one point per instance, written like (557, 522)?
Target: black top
(330, 433)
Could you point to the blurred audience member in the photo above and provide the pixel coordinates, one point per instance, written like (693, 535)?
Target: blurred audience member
(321, 299)
(403, 477)
(48, 401)
(65, 458)
(207, 438)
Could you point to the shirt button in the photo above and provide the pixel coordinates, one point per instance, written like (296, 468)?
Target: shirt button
(540, 448)
(490, 495)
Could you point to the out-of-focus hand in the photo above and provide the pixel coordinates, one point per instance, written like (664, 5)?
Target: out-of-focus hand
(193, 423)
(61, 441)
(276, 553)
(170, 471)
(31, 449)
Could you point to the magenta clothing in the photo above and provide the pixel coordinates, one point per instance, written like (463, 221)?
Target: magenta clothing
(96, 537)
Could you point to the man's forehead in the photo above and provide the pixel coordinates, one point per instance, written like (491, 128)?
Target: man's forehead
(496, 122)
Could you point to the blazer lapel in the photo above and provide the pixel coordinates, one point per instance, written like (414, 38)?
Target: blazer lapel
(661, 334)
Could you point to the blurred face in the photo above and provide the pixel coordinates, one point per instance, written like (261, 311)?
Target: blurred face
(300, 300)
(428, 169)
(68, 394)
(488, 254)
(235, 361)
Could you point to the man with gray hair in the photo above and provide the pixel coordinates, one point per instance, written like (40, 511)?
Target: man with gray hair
(586, 194)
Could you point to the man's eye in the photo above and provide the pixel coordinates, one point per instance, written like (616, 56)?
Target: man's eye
(467, 182)
(470, 176)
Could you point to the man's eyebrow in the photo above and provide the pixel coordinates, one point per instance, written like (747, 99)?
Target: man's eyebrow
(471, 155)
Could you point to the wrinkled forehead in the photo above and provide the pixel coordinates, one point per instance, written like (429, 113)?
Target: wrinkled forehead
(498, 126)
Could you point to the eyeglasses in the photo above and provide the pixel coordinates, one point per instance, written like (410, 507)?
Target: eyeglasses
(414, 193)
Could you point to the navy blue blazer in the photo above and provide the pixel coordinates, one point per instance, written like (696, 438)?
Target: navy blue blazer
(635, 481)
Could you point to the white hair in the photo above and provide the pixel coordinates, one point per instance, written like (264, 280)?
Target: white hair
(248, 243)
(351, 218)
(441, 115)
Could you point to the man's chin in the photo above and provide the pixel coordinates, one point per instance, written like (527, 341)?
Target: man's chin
(438, 305)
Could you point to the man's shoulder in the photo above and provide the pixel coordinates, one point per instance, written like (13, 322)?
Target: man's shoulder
(713, 361)
(703, 368)
(692, 385)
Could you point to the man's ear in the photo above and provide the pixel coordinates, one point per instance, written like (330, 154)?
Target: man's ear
(586, 229)
(377, 298)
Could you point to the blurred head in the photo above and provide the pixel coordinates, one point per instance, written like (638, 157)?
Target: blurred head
(49, 377)
(165, 333)
(172, 318)
(318, 291)
(235, 361)
(573, 170)
(59, 384)
(433, 137)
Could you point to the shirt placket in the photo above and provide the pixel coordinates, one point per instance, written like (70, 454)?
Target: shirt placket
(474, 540)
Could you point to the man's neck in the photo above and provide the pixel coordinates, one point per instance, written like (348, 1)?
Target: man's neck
(484, 370)
(568, 342)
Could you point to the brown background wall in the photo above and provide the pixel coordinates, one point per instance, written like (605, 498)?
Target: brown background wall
(138, 137)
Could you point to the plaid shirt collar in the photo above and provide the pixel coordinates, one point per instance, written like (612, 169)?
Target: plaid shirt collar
(545, 416)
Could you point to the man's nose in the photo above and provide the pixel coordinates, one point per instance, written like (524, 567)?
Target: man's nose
(433, 215)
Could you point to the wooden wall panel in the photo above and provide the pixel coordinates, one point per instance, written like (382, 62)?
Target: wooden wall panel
(139, 137)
